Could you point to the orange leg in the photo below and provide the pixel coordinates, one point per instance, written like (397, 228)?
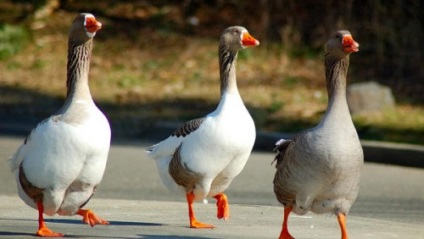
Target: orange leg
(222, 206)
(193, 222)
(90, 218)
(43, 231)
(342, 222)
(285, 231)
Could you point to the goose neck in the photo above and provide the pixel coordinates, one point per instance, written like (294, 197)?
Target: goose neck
(227, 66)
(335, 73)
(79, 56)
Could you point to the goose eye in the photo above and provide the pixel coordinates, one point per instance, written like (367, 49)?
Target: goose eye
(236, 31)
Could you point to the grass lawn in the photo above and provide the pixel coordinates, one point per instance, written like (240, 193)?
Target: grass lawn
(141, 75)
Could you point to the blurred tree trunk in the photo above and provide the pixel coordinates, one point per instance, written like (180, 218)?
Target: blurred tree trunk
(43, 9)
(46, 8)
(264, 20)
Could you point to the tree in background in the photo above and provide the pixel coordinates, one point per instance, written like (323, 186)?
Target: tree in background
(390, 32)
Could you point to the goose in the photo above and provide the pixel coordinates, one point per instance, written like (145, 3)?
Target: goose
(319, 169)
(62, 160)
(203, 156)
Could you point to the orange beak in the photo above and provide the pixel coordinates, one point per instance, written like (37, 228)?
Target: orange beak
(349, 45)
(248, 40)
(92, 25)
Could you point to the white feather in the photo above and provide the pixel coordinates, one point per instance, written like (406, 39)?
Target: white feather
(220, 147)
(58, 154)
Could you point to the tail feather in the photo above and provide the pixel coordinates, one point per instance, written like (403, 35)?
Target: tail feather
(17, 158)
(165, 148)
(281, 147)
(151, 148)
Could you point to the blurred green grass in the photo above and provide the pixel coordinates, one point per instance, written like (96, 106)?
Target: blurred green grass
(12, 39)
(140, 76)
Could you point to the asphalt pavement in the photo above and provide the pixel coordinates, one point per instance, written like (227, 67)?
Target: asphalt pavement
(137, 205)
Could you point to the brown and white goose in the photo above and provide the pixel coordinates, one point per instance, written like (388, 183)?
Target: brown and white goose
(62, 161)
(202, 157)
(319, 169)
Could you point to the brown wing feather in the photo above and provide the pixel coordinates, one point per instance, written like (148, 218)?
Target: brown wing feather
(188, 127)
(33, 192)
(181, 174)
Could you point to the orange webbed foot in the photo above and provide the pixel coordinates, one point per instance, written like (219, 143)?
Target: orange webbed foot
(193, 222)
(90, 218)
(43, 230)
(199, 225)
(46, 232)
(223, 209)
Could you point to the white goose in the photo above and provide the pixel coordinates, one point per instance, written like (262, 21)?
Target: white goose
(203, 156)
(319, 169)
(63, 159)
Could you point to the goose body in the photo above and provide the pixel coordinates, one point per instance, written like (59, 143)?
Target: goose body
(202, 157)
(218, 149)
(319, 169)
(58, 156)
(63, 159)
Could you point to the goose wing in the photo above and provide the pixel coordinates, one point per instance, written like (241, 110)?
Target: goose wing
(168, 146)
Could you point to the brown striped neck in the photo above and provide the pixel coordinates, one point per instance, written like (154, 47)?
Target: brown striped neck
(337, 112)
(335, 74)
(227, 67)
(79, 55)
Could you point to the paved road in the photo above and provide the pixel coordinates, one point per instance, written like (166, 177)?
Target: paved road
(391, 201)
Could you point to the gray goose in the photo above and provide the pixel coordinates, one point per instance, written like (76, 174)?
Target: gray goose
(319, 169)
(63, 159)
(202, 157)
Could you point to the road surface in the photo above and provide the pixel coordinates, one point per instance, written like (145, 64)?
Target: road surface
(390, 203)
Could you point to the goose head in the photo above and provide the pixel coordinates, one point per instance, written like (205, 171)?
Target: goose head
(237, 37)
(341, 44)
(84, 27)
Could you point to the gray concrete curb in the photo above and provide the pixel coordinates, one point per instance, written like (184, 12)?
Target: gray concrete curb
(374, 151)
(394, 153)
